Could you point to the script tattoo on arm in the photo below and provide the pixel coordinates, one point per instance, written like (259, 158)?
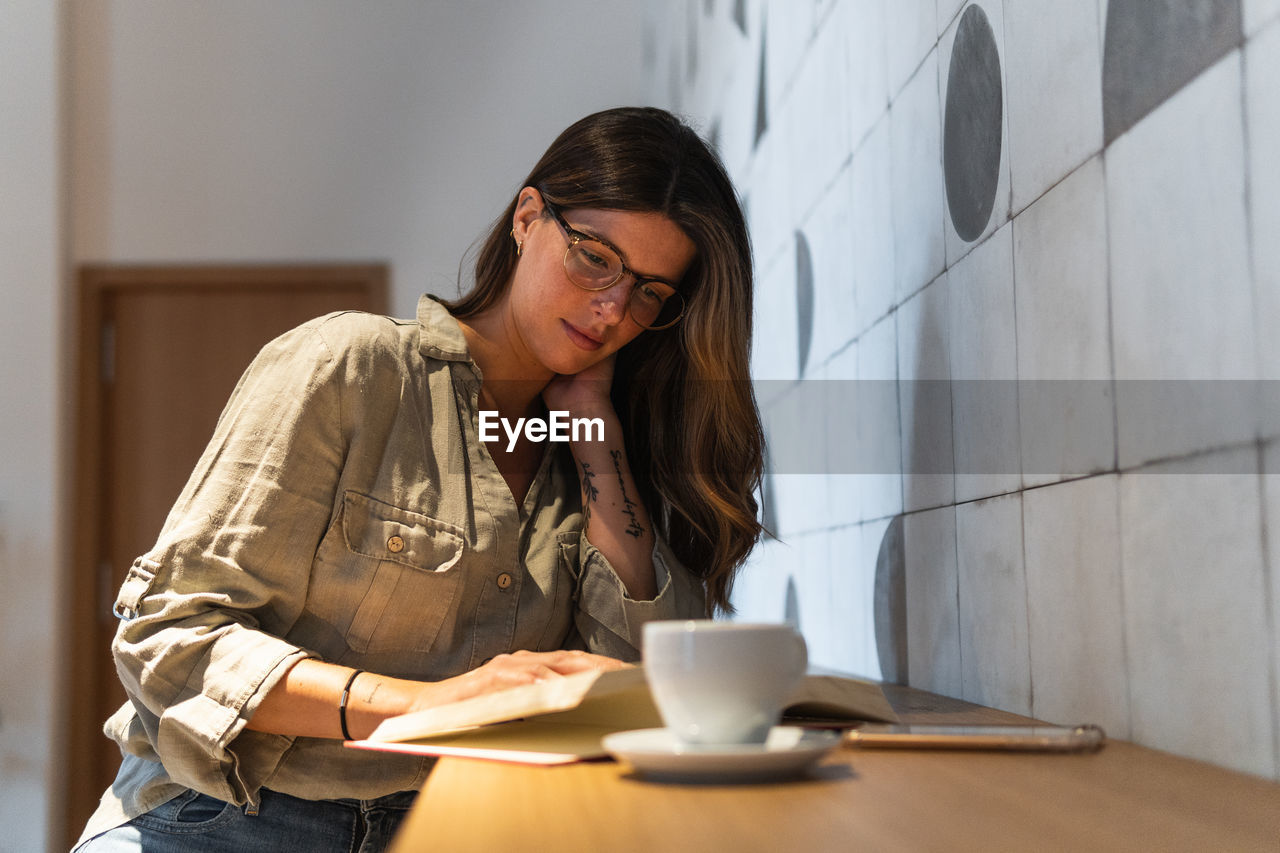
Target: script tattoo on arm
(628, 506)
(590, 494)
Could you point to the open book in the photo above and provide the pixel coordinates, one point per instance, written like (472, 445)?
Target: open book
(563, 720)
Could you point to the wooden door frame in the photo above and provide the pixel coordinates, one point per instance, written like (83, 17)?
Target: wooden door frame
(96, 282)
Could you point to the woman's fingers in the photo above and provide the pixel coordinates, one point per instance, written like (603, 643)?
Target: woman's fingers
(566, 661)
(526, 666)
(582, 393)
(512, 670)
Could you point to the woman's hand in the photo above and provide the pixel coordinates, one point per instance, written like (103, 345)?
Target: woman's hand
(511, 670)
(582, 394)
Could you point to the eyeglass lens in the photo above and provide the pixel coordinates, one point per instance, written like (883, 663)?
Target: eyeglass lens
(595, 266)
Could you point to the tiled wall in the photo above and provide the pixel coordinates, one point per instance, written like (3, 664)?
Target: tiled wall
(1018, 271)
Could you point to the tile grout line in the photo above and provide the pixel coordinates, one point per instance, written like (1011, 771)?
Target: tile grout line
(955, 546)
(1273, 628)
(1026, 605)
(1022, 480)
(1140, 469)
(1115, 449)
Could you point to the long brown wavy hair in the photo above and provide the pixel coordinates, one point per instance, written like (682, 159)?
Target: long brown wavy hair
(683, 394)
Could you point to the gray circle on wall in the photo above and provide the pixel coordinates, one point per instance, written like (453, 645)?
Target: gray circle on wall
(890, 603)
(762, 104)
(804, 299)
(972, 125)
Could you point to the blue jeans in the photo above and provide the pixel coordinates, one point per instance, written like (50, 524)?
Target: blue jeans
(195, 823)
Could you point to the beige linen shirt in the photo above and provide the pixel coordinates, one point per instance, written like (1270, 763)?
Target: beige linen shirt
(346, 510)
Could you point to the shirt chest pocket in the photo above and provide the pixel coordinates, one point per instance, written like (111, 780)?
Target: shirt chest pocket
(387, 577)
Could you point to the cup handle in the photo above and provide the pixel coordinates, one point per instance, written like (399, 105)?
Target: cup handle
(801, 652)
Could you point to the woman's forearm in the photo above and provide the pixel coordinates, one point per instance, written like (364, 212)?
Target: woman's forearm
(306, 702)
(614, 518)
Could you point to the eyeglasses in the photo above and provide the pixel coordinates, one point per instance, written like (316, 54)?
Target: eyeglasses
(593, 264)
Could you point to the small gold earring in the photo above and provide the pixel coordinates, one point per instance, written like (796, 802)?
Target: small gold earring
(519, 245)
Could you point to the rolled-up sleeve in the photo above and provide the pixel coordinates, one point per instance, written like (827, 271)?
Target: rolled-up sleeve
(204, 613)
(610, 622)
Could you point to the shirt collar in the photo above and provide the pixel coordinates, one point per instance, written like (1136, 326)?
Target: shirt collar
(439, 334)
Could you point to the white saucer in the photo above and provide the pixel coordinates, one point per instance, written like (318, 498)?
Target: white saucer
(658, 753)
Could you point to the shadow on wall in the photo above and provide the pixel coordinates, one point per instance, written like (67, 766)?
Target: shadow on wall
(1155, 47)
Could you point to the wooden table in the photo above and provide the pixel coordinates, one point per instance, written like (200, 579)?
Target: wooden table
(1124, 797)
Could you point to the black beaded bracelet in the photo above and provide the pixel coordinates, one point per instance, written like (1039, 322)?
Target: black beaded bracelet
(342, 705)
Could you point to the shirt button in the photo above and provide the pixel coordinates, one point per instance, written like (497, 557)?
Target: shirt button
(504, 580)
(395, 544)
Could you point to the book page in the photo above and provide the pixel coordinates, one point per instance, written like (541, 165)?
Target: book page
(619, 694)
(616, 700)
(832, 697)
(541, 740)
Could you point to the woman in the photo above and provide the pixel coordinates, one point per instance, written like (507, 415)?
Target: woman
(349, 548)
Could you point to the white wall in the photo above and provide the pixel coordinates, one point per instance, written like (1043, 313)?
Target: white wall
(1069, 545)
(34, 534)
(230, 131)
(336, 129)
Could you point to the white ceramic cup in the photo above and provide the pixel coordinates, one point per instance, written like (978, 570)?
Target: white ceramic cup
(722, 682)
